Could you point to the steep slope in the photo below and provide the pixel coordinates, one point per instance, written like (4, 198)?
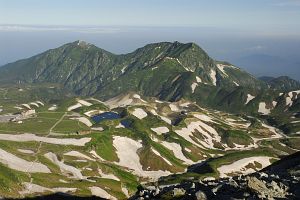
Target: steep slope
(166, 70)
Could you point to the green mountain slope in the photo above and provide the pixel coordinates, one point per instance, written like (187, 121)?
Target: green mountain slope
(168, 71)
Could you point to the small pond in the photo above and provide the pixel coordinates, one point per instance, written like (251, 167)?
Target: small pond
(105, 116)
(126, 123)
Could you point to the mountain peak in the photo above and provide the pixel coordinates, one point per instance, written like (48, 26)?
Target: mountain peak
(82, 42)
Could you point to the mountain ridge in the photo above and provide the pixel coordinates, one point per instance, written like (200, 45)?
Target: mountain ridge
(166, 70)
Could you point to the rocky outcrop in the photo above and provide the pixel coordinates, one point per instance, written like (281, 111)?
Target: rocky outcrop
(279, 181)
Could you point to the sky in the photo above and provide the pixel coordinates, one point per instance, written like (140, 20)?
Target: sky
(233, 30)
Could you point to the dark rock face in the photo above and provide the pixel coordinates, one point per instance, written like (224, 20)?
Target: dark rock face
(278, 181)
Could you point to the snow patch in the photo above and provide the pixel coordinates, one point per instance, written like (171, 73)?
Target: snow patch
(288, 101)
(193, 86)
(236, 83)
(177, 150)
(221, 68)
(249, 98)
(34, 104)
(158, 154)
(240, 165)
(26, 106)
(99, 192)
(213, 77)
(26, 151)
(203, 117)
(108, 176)
(198, 79)
(119, 102)
(27, 137)
(120, 126)
(160, 130)
(127, 153)
(85, 103)
(20, 164)
(95, 155)
(174, 107)
(209, 134)
(73, 107)
(53, 108)
(30, 188)
(139, 113)
(65, 169)
(262, 108)
(83, 120)
(78, 155)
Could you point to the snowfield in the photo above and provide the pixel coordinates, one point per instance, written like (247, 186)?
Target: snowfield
(262, 108)
(127, 153)
(119, 101)
(93, 112)
(78, 155)
(53, 108)
(108, 176)
(221, 68)
(160, 130)
(213, 77)
(65, 169)
(174, 107)
(139, 113)
(85, 103)
(30, 188)
(193, 86)
(249, 98)
(159, 155)
(27, 137)
(83, 120)
(203, 117)
(165, 119)
(20, 164)
(177, 150)
(73, 107)
(26, 151)
(240, 165)
(26, 106)
(210, 134)
(99, 192)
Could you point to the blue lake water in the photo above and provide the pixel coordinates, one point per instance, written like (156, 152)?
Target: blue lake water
(105, 116)
(126, 123)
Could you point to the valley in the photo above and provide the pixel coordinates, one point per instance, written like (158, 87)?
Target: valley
(86, 122)
(162, 142)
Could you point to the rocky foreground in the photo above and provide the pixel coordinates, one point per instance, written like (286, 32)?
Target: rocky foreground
(281, 180)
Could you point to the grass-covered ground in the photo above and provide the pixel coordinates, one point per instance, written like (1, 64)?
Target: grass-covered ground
(58, 123)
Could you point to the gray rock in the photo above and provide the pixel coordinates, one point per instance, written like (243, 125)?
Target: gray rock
(263, 175)
(141, 193)
(177, 192)
(215, 190)
(200, 195)
(193, 186)
(246, 194)
(157, 190)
